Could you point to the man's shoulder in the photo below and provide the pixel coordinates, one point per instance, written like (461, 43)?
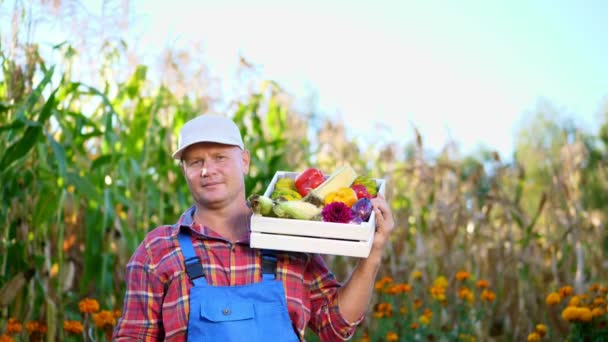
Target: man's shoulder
(159, 237)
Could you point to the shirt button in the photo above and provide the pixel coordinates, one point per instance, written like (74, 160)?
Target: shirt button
(226, 311)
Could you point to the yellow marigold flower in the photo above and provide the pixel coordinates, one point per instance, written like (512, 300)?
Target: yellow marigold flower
(104, 318)
(566, 291)
(424, 320)
(73, 327)
(13, 326)
(414, 326)
(392, 336)
(553, 298)
(574, 301)
(88, 305)
(584, 314)
(441, 281)
(541, 329)
(466, 338)
(6, 338)
(462, 275)
(597, 312)
(534, 337)
(417, 275)
(488, 296)
(483, 284)
(570, 314)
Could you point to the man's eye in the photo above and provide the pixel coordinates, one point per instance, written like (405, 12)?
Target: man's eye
(220, 157)
(196, 163)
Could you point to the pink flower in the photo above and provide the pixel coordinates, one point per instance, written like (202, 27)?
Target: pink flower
(337, 212)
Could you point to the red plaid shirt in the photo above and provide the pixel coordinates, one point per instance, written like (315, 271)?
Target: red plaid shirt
(156, 303)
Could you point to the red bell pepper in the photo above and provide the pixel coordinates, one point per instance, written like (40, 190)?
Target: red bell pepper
(361, 191)
(308, 180)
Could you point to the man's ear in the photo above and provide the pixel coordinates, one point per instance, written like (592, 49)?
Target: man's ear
(246, 159)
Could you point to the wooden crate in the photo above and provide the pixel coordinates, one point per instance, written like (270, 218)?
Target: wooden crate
(313, 236)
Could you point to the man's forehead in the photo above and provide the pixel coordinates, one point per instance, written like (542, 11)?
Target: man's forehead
(207, 148)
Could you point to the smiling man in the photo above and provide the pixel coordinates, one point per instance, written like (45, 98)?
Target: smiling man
(199, 280)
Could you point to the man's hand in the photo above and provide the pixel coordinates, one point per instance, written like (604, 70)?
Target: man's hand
(384, 225)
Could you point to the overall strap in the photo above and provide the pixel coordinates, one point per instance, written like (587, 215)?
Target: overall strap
(269, 264)
(194, 269)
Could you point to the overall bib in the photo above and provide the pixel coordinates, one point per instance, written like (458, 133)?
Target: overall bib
(255, 312)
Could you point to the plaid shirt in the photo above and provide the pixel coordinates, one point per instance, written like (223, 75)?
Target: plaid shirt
(156, 303)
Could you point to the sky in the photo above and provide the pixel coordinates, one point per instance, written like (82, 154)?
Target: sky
(467, 71)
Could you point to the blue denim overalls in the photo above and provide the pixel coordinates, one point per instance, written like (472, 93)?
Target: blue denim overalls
(255, 312)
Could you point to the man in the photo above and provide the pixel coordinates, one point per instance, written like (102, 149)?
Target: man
(200, 280)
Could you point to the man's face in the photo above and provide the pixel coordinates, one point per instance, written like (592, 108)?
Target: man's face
(215, 173)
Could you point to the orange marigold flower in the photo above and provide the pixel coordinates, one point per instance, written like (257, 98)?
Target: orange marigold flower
(414, 326)
(13, 326)
(465, 294)
(403, 310)
(541, 329)
(104, 318)
(534, 337)
(553, 298)
(570, 314)
(488, 296)
(35, 327)
(417, 275)
(117, 313)
(73, 327)
(88, 305)
(6, 338)
(594, 288)
(462, 275)
(392, 336)
(566, 291)
(417, 303)
(428, 313)
(483, 284)
(599, 301)
(438, 292)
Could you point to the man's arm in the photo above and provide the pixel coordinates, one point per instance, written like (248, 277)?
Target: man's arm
(355, 296)
(141, 315)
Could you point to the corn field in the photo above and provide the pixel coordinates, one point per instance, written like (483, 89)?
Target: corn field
(480, 244)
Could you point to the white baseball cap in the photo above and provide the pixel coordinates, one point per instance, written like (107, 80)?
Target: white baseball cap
(208, 128)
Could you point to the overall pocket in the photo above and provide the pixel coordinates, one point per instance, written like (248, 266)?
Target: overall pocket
(227, 320)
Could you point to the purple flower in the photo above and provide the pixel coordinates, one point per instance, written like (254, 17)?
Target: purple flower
(337, 212)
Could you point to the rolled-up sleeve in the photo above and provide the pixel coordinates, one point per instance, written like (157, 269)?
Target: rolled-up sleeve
(326, 320)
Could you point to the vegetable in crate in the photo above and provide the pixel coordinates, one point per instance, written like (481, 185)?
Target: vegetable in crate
(285, 183)
(362, 208)
(370, 184)
(344, 195)
(285, 195)
(341, 178)
(361, 190)
(298, 210)
(308, 180)
(261, 205)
